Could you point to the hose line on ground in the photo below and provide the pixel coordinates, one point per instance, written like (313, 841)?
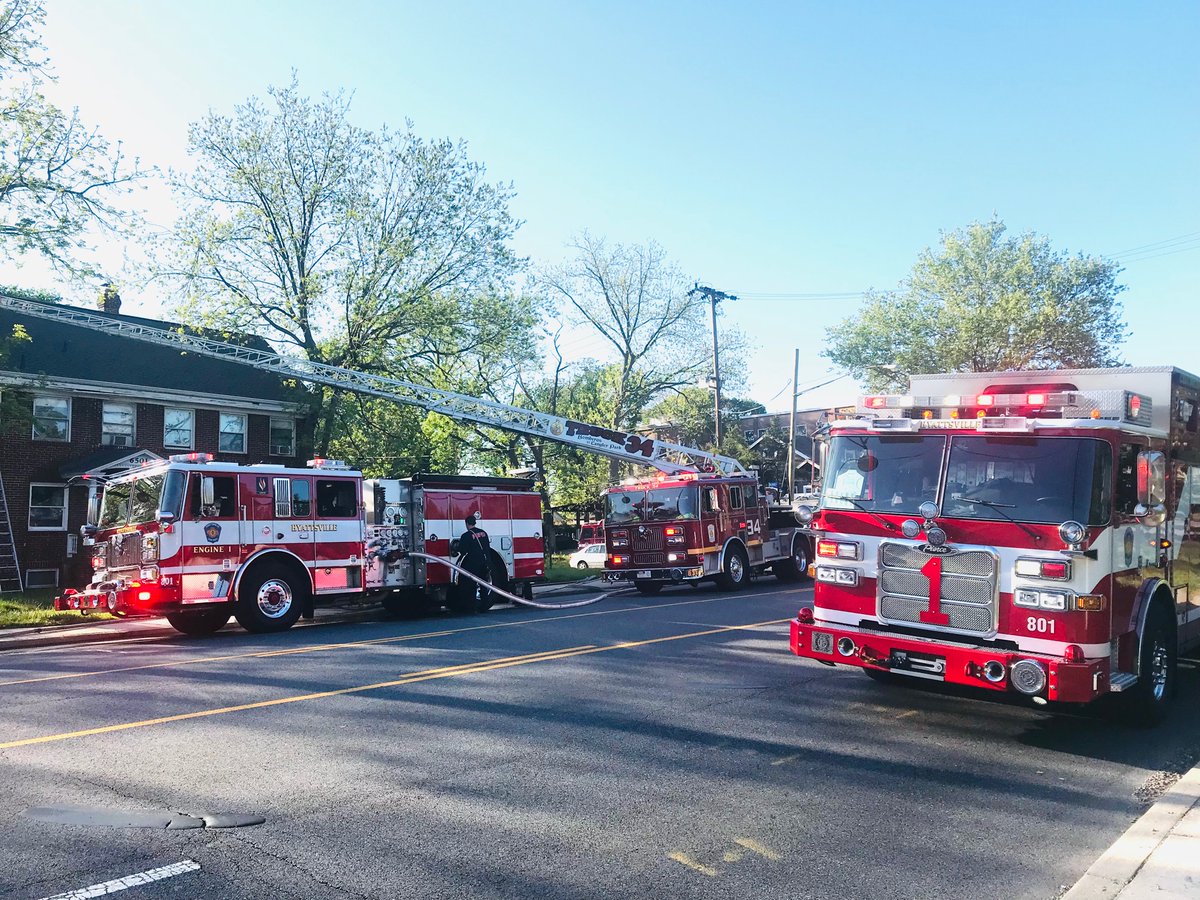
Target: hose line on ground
(503, 593)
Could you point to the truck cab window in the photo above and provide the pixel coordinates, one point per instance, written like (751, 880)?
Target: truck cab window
(1127, 496)
(336, 499)
(735, 496)
(224, 504)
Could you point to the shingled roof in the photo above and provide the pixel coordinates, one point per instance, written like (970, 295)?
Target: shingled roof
(64, 350)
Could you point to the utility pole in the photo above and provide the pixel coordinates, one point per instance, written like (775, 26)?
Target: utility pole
(714, 297)
(791, 457)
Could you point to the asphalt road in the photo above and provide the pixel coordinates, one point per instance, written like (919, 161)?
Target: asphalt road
(666, 747)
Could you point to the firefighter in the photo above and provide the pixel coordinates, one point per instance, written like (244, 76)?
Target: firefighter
(476, 551)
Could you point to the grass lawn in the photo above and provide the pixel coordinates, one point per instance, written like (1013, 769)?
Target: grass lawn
(560, 570)
(37, 608)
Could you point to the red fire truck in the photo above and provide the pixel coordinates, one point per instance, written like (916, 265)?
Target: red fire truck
(690, 527)
(1019, 532)
(198, 541)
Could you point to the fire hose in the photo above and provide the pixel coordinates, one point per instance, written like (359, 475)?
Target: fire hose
(503, 593)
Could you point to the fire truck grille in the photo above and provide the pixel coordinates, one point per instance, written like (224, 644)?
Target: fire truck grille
(972, 562)
(649, 559)
(968, 587)
(914, 584)
(965, 618)
(647, 540)
(125, 550)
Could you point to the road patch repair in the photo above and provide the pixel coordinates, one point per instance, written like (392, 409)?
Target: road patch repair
(103, 817)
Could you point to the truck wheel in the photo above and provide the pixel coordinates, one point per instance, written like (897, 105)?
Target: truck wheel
(736, 571)
(648, 587)
(794, 567)
(1147, 703)
(200, 622)
(270, 598)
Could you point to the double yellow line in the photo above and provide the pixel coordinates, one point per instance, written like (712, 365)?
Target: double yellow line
(351, 645)
(425, 675)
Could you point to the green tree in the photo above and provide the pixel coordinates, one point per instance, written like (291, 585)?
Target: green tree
(15, 409)
(985, 301)
(59, 178)
(378, 251)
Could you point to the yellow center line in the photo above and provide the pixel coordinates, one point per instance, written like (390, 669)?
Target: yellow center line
(684, 859)
(349, 645)
(426, 675)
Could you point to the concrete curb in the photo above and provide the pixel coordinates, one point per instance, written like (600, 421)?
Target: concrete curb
(1117, 867)
(124, 630)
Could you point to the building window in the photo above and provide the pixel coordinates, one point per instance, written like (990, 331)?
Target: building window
(51, 419)
(41, 578)
(47, 507)
(749, 434)
(178, 428)
(233, 433)
(116, 425)
(283, 437)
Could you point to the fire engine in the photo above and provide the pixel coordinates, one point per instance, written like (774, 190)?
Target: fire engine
(221, 534)
(198, 541)
(1026, 533)
(691, 527)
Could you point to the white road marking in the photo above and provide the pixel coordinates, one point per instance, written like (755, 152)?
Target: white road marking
(129, 881)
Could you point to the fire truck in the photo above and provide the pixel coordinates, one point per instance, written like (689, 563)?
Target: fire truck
(198, 541)
(695, 526)
(232, 529)
(1024, 533)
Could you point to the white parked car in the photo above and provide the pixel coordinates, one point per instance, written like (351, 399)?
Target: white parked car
(589, 557)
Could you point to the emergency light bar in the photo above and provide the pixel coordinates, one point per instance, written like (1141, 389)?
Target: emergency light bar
(321, 462)
(1003, 412)
(190, 458)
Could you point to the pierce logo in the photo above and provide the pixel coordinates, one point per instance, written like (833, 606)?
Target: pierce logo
(212, 532)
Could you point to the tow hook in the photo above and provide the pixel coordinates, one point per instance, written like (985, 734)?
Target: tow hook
(867, 655)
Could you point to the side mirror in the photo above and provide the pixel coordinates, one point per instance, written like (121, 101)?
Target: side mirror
(88, 531)
(1151, 478)
(803, 514)
(166, 518)
(1150, 515)
(208, 491)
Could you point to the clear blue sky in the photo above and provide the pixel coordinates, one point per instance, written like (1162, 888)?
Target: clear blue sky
(772, 148)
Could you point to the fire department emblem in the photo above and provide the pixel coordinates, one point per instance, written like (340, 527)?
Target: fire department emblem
(260, 485)
(212, 532)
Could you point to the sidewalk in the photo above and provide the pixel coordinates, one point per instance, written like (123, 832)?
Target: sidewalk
(1158, 857)
(126, 629)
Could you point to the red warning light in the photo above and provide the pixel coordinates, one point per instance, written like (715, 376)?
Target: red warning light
(876, 402)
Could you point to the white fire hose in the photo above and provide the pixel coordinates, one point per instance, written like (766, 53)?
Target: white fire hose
(495, 590)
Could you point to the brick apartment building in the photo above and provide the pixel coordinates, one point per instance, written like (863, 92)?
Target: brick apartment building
(97, 404)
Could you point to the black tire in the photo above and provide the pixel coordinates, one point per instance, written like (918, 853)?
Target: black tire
(795, 566)
(270, 598)
(1147, 704)
(648, 587)
(581, 565)
(200, 622)
(735, 571)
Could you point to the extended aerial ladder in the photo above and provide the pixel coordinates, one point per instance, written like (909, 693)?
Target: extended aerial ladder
(627, 447)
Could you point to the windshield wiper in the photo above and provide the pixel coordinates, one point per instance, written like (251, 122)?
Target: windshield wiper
(870, 512)
(1000, 507)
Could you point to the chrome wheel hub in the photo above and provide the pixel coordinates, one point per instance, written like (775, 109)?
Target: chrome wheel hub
(274, 598)
(736, 569)
(1159, 668)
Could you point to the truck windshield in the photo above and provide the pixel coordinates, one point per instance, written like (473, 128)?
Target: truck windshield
(1029, 479)
(656, 505)
(141, 501)
(892, 473)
